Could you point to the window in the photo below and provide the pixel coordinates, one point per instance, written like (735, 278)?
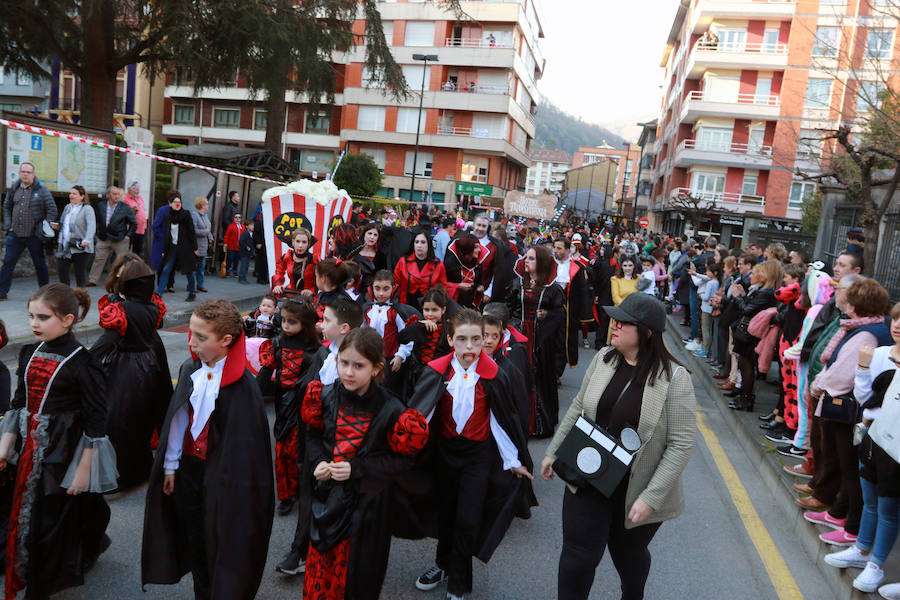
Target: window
(748, 187)
(22, 78)
(714, 139)
(826, 43)
(809, 144)
(419, 33)
(367, 78)
(732, 40)
(414, 76)
(708, 185)
(424, 163)
(184, 76)
(489, 126)
(763, 91)
(317, 122)
(227, 117)
(10, 107)
(800, 191)
(316, 160)
(388, 27)
(755, 140)
(818, 93)
(378, 155)
(869, 95)
(184, 114)
(407, 118)
(475, 168)
(260, 119)
(371, 118)
(770, 40)
(878, 44)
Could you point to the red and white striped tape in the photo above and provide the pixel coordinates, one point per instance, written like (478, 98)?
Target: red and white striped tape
(99, 144)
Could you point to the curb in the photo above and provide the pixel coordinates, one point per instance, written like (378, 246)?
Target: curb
(89, 334)
(769, 466)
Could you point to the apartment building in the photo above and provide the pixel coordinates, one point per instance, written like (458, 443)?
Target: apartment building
(750, 89)
(547, 172)
(19, 93)
(626, 160)
(647, 143)
(477, 116)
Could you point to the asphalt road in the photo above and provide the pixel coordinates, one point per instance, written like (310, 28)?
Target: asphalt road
(704, 554)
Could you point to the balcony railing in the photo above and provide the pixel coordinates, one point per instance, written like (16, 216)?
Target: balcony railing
(726, 197)
(476, 43)
(762, 99)
(467, 132)
(474, 88)
(731, 148)
(749, 47)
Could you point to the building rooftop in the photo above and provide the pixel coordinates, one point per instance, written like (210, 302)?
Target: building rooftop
(542, 155)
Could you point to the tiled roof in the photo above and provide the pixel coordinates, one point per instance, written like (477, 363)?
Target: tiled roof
(539, 154)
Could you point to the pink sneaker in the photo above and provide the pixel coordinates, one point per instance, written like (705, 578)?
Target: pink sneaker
(838, 537)
(823, 518)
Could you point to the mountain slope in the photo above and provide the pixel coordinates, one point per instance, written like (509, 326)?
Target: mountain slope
(558, 130)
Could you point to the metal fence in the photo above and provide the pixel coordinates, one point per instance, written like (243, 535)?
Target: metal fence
(887, 269)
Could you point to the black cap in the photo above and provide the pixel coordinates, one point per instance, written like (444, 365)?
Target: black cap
(639, 307)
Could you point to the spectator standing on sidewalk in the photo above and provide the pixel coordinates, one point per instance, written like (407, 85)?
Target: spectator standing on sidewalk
(115, 226)
(26, 205)
(863, 305)
(203, 230)
(876, 371)
(233, 244)
(246, 252)
(134, 199)
(76, 236)
(699, 268)
(180, 246)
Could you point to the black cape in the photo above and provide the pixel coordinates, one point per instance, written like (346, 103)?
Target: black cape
(508, 496)
(368, 494)
(240, 490)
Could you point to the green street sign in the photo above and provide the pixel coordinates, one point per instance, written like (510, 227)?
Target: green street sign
(473, 189)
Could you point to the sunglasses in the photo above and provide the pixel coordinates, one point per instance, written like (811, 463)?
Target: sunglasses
(617, 324)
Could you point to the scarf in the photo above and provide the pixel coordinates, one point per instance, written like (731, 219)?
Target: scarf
(847, 325)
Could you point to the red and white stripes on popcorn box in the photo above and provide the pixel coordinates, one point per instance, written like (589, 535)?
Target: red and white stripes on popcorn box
(318, 207)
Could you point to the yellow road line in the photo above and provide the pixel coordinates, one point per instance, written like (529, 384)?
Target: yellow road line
(779, 574)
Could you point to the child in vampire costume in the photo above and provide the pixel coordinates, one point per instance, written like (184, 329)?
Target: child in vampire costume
(58, 415)
(285, 361)
(139, 385)
(350, 532)
(477, 437)
(218, 527)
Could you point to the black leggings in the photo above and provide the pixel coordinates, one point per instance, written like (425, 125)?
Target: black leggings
(591, 522)
(747, 367)
(80, 260)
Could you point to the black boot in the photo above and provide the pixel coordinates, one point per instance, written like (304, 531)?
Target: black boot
(749, 401)
(733, 393)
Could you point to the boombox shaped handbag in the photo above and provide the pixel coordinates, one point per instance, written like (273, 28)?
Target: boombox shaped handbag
(591, 455)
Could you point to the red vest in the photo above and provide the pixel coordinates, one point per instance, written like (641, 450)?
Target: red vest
(390, 337)
(191, 447)
(477, 428)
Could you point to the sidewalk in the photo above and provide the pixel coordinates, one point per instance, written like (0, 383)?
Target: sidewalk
(745, 426)
(14, 311)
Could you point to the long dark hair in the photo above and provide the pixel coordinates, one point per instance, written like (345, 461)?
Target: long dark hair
(411, 251)
(544, 261)
(653, 357)
(303, 310)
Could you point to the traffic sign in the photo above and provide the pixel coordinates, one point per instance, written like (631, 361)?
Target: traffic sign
(644, 222)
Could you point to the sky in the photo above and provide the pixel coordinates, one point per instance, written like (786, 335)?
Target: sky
(603, 56)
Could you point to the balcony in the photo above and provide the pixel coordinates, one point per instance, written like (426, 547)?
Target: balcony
(742, 10)
(740, 106)
(463, 138)
(711, 56)
(753, 156)
(725, 200)
(452, 42)
(474, 88)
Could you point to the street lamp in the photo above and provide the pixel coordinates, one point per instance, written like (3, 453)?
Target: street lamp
(424, 58)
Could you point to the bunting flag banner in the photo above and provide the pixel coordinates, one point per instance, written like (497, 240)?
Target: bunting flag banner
(282, 214)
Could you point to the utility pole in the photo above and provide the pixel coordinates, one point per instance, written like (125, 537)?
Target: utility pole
(424, 58)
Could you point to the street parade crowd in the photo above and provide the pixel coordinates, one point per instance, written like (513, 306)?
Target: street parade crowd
(408, 369)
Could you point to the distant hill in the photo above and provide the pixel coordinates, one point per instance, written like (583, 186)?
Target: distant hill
(558, 130)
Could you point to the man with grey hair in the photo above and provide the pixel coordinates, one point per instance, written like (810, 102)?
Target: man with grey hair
(116, 224)
(26, 206)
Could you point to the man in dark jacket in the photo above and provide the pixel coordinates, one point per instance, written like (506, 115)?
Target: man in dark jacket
(115, 226)
(699, 262)
(26, 205)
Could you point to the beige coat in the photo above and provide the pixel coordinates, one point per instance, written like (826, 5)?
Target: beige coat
(667, 428)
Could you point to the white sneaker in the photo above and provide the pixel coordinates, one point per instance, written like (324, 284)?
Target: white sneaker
(849, 557)
(890, 591)
(869, 580)
(692, 345)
